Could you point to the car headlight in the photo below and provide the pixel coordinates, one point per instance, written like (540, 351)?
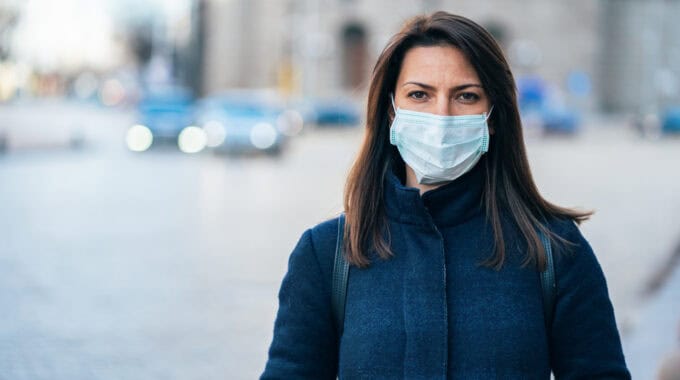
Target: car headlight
(263, 135)
(192, 139)
(215, 133)
(290, 123)
(139, 138)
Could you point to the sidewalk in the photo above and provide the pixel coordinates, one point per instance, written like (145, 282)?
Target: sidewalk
(657, 330)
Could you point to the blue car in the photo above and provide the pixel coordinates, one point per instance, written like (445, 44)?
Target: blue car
(339, 111)
(166, 113)
(164, 116)
(670, 121)
(243, 121)
(540, 109)
(560, 121)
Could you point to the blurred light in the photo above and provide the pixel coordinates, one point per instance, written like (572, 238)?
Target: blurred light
(66, 34)
(85, 85)
(290, 123)
(192, 139)
(8, 81)
(263, 135)
(112, 92)
(526, 53)
(139, 138)
(215, 133)
(578, 83)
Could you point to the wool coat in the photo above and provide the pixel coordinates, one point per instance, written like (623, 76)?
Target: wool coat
(432, 311)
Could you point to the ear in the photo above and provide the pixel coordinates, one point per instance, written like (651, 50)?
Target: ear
(492, 130)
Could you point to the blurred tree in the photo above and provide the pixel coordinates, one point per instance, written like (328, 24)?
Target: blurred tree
(140, 40)
(8, 21)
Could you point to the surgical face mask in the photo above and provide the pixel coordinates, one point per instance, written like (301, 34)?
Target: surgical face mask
(439, 148)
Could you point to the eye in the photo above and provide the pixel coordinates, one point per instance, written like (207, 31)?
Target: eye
(417, 95)
(468, 97)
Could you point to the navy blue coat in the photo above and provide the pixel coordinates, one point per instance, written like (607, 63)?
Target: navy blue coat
(433, 312)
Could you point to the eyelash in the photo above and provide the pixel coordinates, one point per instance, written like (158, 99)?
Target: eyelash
(474, 96)
(412, 94)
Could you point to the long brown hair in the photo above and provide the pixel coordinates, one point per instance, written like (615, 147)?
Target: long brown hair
(509, 187)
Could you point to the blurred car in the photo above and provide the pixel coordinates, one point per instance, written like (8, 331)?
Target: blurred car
(162, 115)
(560, 121)
(652, 124)
(338, 111)
(551, 120)
(28, 125)
(670, 120)
(241, 121)
(532, 91)
(541, 108)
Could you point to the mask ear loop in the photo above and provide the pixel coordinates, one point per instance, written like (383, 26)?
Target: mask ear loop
(393, 137)
(486, 130)
(489, 114)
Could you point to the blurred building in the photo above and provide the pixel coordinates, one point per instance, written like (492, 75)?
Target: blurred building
(614, 55)
(639, 59)
(326, 46)
(611, 55)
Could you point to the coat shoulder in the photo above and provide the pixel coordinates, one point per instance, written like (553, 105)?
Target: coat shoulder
(566, 236)
(574, 255)
(324, 240)
(564, 228)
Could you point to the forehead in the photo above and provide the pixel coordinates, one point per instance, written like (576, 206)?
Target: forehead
(437, 65)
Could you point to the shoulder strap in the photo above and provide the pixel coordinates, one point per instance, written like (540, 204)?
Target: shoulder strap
(548, 283)
(340, 277)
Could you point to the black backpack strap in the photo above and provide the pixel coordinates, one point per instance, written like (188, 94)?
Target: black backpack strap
(548, 283)
(340, 277)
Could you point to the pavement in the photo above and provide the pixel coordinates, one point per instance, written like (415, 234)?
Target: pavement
(635, 231)
(167, 266)
(657, 330)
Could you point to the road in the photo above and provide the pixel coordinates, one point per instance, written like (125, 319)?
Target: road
(164, 265)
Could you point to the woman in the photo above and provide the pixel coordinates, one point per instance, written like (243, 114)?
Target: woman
(442, 234)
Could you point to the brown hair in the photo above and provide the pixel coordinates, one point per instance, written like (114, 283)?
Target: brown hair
(509, 186)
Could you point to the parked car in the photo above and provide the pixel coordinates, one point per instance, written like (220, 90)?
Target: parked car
(559, 120)
(336, 111)
(670, 120)
(652, 124)
(242, 121)
(542, 109)
(28, 124)
(162, 115)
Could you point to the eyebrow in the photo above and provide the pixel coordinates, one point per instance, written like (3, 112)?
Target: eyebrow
(457, 88)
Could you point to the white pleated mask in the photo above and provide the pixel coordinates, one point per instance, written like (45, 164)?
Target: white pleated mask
(439, 148)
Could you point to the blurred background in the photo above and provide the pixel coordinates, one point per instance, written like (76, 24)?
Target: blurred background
(159, 159)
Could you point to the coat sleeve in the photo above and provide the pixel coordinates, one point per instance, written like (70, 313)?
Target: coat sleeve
(584, 340)
(305, 341)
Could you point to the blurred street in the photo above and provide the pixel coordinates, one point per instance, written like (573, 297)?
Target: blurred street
(161, 265)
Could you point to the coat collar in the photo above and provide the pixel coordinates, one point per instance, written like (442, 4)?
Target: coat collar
(447, 205)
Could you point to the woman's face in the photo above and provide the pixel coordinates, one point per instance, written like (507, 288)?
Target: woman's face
(439, 80)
